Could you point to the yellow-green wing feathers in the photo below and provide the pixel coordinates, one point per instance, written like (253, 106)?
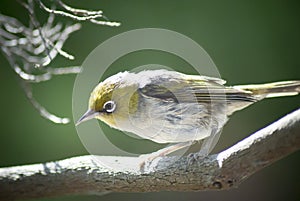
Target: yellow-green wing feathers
(196, 88)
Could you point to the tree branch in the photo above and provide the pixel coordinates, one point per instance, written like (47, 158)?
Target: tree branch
(84, 175)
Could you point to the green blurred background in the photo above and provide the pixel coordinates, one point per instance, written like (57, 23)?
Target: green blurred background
(249, 41)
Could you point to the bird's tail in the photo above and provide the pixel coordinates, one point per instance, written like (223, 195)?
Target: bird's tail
(269, 90)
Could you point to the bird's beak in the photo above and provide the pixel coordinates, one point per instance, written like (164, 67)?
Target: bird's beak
(90, 114)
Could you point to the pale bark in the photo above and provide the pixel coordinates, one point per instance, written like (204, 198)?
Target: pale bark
(85, 175)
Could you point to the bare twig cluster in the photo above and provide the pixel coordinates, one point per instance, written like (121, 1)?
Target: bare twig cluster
(30, 49)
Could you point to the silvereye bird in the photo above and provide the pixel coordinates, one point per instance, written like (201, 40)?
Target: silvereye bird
(172, 107)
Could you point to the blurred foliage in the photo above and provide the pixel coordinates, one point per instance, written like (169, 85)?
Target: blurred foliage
(249, 41)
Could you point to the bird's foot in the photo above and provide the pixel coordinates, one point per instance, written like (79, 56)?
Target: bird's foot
(195, 157)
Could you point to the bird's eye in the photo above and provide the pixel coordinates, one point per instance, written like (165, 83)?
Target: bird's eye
(109, 106)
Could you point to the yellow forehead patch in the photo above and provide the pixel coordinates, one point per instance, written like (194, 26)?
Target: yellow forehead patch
(100, 95)
(125, 97)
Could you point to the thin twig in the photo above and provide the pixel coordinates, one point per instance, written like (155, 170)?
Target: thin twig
(64, 14)
(79, 11)
(78, 14)
(43, 112)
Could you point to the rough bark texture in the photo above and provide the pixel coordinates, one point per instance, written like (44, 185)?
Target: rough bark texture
(85, 174)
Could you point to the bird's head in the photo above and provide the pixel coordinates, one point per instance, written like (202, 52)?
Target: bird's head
(111, 101)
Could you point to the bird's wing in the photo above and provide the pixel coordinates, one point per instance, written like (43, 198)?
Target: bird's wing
(198, 88)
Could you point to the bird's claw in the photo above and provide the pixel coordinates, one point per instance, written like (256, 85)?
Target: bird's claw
(194, 157)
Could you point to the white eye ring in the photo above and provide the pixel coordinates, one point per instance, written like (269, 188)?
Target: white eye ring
(109, 106)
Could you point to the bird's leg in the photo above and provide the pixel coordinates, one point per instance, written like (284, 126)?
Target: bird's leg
(149, 158)
(206, 147)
